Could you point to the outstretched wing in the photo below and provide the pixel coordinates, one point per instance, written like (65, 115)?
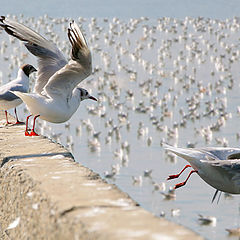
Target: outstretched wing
(222, 152)
(189, 154)
(79, 67)
(50, 58)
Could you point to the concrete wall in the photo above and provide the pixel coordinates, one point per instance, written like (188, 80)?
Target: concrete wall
(44, 194)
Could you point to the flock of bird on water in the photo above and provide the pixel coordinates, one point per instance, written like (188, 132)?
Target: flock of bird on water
(57, 96)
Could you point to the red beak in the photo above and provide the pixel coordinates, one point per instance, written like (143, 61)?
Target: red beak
(93, 98)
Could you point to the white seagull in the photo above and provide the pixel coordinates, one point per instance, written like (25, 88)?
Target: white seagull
(9, 100)
(56, 94)
(217, 166)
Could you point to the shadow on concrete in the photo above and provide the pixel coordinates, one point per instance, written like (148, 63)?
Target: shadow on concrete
(12, 158)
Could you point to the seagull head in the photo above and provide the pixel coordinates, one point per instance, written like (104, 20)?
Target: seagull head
(84, 94)
(28, 69)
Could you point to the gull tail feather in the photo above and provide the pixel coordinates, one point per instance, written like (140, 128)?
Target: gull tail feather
(24, 96)
(188, 154)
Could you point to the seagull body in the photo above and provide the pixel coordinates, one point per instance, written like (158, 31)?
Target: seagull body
(51, 109)
(56, 94)
(9, 100)
(217, 166)
(207, 220)
(234, 231)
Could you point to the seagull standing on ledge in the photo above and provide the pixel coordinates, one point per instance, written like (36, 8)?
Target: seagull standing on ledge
(217, 166)
(56, 94)
(9, 100)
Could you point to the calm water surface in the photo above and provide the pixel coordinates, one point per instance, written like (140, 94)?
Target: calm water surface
(184, 77)
(218, 9)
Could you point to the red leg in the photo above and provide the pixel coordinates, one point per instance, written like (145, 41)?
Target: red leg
(33, 133)
(177, 175)
(183, 183)
(26, 131)
(17, 121)
(7, 122)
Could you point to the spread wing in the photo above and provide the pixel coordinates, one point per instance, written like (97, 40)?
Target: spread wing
(222, 152)
(78, 68)
(189, 154)
(50, 58)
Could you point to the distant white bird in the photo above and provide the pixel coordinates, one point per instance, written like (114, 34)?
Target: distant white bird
(170, 195)
(137, 180)
(9, 100)
(147, 173)
(159, 186)
(217, 166)
(57, 95)
(175, 212)
(207, 220)
(234, 231)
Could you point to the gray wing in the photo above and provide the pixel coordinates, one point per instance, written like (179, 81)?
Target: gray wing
(6, 95)
(222, 153)
(50, 58)
(190, 154)
(79, 67)
(231, 166)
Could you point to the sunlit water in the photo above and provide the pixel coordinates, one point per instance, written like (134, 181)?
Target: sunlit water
(184, 77)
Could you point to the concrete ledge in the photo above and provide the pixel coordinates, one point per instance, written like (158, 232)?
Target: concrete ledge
(53, 197)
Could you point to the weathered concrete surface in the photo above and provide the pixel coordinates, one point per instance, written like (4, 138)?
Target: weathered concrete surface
(54, 197)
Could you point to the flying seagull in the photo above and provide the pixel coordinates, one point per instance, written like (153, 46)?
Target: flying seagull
(56, 94)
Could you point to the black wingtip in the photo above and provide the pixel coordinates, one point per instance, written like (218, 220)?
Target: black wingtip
(10, 29)
(2, 18)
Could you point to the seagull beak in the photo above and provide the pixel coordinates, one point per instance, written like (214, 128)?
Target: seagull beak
(92, 98)
(33, 70)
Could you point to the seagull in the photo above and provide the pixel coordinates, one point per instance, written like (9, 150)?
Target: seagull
(56, 94)
(217, 166)
(207, 220)
(234, 231)
(9, 100)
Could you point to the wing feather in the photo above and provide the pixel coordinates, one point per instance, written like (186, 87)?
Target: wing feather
(50, 58)
(231, 166)
(79, 67)
(5, 93)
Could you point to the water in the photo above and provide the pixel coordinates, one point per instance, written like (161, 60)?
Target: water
(169, 64)
(218, 9)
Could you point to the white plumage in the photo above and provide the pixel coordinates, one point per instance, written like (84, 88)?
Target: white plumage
(217, 166)
(56, 94)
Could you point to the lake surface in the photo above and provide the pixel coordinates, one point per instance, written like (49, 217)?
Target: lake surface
(157, 80)
(218, 9)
